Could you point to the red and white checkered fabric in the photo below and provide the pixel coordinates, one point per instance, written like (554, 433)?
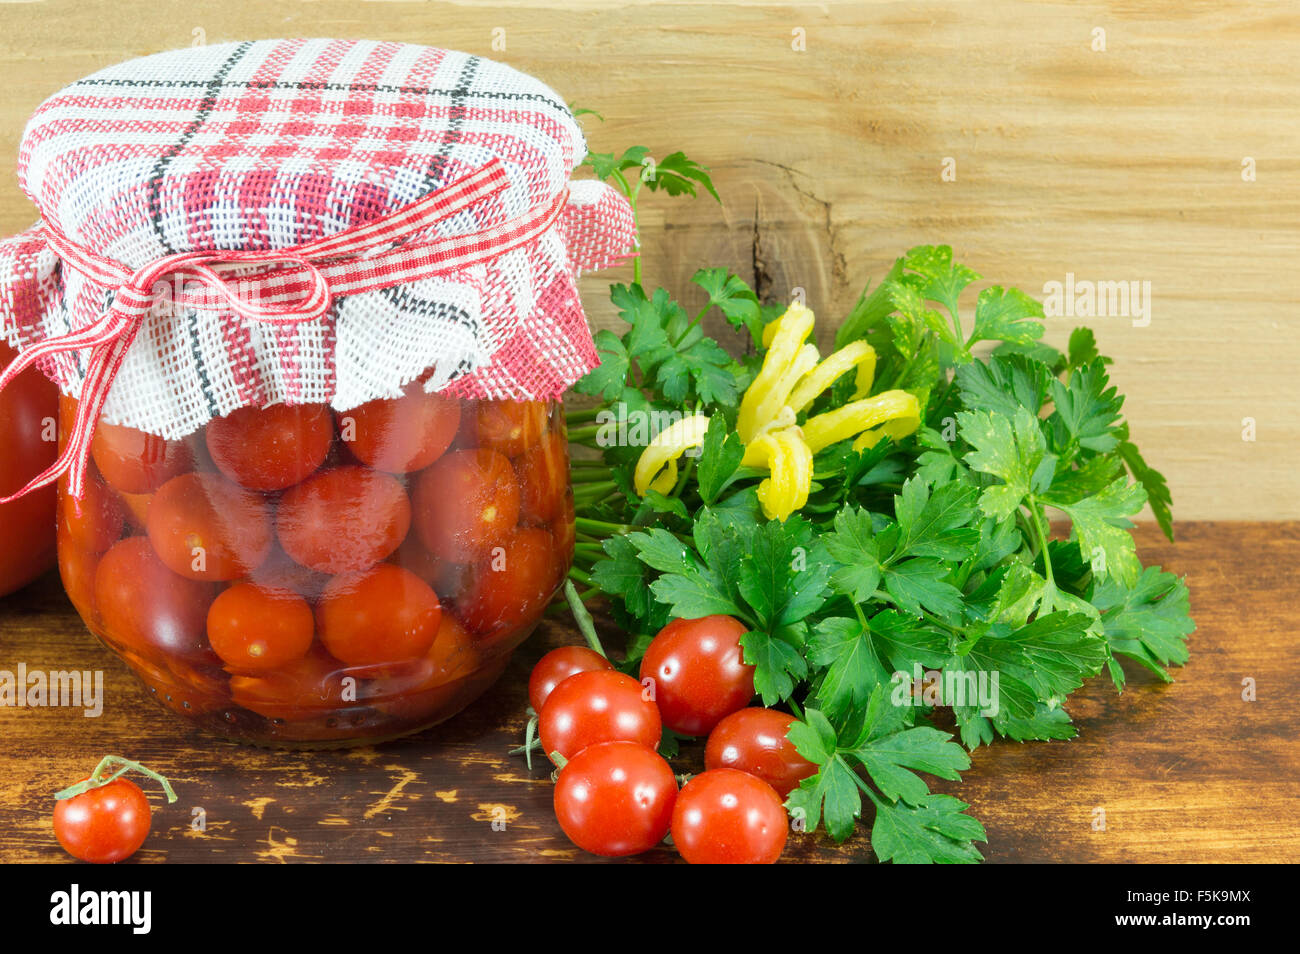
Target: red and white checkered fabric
(273, 144)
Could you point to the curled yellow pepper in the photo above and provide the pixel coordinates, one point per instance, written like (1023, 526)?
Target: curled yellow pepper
(792, 377)
(657, 467)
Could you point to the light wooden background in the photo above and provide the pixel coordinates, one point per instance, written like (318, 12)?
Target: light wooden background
(1122, 164)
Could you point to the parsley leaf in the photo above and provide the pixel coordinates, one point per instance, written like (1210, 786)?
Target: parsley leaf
(1149, 622)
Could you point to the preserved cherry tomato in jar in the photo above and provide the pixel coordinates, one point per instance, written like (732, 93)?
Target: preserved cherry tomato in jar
(136, 462)
(382, 615)
(343, 520)
(144, 606)
(271, 448)
(512, 584)
(255, 627)
(466, 503)
(205, 527)
(402, 435)
(290, 586)
(507, 427)
(28, 407)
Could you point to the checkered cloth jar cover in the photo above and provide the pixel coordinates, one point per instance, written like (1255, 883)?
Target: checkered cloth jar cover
(383, 208)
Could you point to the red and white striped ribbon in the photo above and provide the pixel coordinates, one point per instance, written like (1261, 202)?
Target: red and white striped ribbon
(280, 286)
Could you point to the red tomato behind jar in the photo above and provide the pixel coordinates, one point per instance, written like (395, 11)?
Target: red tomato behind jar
(28, 406)
(271, 448)
(402, 435)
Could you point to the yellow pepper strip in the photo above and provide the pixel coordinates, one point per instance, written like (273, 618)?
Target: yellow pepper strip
(857, 354)
(657, 467)
(787, 360)
(791, 462)
(897, 429)
(844, 422)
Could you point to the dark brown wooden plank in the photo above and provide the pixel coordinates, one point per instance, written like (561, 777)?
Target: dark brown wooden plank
(1185, 772)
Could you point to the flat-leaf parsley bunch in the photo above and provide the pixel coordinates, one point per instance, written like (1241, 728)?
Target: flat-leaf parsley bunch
(928, 541)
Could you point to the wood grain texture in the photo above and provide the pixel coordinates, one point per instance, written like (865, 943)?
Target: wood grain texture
(1185, 772)
(1114, 166)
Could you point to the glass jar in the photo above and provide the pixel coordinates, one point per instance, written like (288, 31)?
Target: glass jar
(296, 576)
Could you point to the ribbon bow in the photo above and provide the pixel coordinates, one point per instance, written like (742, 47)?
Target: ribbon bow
(286, 286)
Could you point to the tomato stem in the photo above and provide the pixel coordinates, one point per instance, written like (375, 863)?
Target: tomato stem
(98, 778)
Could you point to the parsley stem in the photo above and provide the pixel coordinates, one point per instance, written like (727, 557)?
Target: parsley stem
(580, 616)
(582, 415)
(582, 576)
(1041, 534)
(597, 490)
(579, 434)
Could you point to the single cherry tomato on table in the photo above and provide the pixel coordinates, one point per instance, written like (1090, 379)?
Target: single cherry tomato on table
(727, 817)
(466, 503)
(271, 448)
(512, 585)
(699, 672)
(149, 609)
(557, 666)
(27, 407)
(615, 798)
(598, 706)
(401, 435)
(753, 740)
(208, 528)
(343, 520)
(103, 819)
(382, 615)
(136, 462)
(255, 627)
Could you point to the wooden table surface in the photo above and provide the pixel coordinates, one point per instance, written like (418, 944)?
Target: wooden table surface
(1187, 772)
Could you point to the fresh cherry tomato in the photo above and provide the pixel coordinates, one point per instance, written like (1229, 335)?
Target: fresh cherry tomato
(557, 666)
(615, 798)
(543, 479)
(699, 672)
(307, 688)
(753, 740)
(508, 427)
(402, 435)
(598, 706)
(512, 585)
(271, 448)
(105, 824)
(208, 528)
(342, 520)
(135, 462)
(253, 627)
(466, 503)
(727, 817)
(93, 523)
(27, 408)
(382, 615)
(147, 608)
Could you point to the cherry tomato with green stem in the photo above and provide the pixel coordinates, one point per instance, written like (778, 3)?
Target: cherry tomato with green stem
(597, 706)
(557, 666)
(105, 818)
(615, 798)
(728, 817)
(754, 740)
(699, 672)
